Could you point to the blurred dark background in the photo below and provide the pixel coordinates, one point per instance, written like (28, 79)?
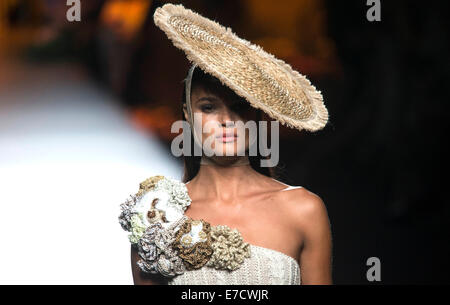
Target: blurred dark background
(379, 165)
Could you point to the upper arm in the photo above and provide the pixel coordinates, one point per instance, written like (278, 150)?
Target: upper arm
(140, 277)
(316, 253)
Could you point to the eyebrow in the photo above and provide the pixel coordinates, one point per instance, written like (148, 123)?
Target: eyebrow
(207, 98)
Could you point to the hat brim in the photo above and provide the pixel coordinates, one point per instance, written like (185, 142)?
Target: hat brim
(266, 82)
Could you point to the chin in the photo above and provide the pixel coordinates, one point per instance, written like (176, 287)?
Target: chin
(231, 150)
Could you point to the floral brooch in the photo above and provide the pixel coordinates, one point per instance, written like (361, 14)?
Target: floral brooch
(168, 241)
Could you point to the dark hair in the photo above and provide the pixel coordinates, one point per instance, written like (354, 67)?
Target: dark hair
(213, 85)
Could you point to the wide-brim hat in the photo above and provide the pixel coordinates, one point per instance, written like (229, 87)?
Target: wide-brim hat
(265, 81)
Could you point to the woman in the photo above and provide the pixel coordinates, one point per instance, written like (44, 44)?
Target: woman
(286, 227)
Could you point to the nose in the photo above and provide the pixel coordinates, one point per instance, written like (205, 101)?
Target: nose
(228, 124)
(227, 118)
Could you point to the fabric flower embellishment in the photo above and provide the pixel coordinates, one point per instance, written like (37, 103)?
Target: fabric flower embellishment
(177, 191)
(155, 206)
(125, 218)
(159, 199)
(229, 248)
(144, 213)
(147, 249)
(169, 242)
(193, 243)
(149, 184)
(156, 252)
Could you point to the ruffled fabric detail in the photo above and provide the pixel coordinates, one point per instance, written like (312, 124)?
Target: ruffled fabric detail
(127, 212)
(177, 192)
(159, 200)
(193, 243)
(156, 252)
(128, 208)
(229, 248)
(149, 184)
(169, 242)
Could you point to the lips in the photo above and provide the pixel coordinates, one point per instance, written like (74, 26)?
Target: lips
(228, 137)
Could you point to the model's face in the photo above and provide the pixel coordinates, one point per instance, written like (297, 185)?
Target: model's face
(219, 122)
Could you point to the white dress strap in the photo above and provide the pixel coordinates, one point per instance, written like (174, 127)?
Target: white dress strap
(290, 187)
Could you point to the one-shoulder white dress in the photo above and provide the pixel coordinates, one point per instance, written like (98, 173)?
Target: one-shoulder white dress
(264, 267)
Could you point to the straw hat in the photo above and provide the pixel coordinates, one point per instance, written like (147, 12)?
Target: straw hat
(266, 82)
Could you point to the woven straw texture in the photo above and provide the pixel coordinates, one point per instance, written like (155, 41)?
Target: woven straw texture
(266, 82)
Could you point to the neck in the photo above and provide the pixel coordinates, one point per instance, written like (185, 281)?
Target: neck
(225, 162)
(224, 179)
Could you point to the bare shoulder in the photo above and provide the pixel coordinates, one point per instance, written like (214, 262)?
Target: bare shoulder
(301, 199)
(306, 209)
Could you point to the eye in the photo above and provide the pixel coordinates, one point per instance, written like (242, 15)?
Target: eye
(207, 107)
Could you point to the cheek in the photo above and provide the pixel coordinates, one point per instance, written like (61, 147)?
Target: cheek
(209, 124)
